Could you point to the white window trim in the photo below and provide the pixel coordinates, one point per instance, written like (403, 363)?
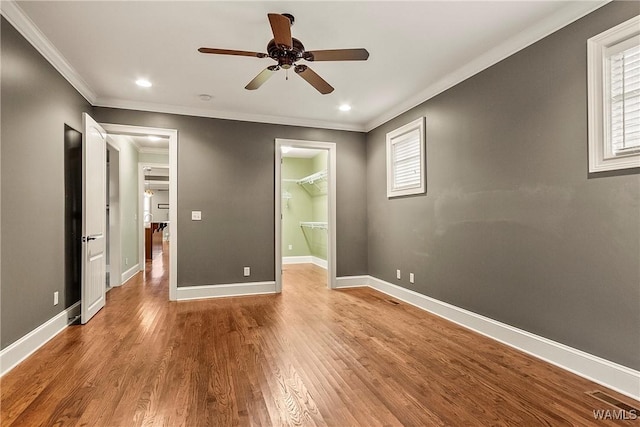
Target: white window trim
(601, 157)
(391, 136)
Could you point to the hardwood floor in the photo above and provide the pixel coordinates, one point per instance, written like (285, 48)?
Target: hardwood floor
(309, 356)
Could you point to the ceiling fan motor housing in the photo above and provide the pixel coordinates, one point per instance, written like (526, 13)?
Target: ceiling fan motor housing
(283, 55)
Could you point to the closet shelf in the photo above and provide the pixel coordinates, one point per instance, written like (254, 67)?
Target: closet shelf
(318, 176)
(315, 184)
(314, 224)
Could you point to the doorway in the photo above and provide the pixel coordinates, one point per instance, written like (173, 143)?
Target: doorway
(73, 212)
(305, 201)
(154, 193)
(146, 155)
(113, 264)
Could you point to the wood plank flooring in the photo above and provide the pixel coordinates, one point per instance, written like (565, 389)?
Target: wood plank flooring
(307, 357)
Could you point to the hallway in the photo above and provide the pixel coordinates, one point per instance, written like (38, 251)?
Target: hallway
(309, 356)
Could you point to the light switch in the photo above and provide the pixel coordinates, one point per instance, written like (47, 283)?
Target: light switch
(196, 215)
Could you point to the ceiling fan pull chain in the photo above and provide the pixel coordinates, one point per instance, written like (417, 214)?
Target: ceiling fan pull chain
(286, 74)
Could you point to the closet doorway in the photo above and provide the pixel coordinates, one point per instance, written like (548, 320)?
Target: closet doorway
(305, 206)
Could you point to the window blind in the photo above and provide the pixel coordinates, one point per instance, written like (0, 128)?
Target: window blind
(625, 100)
(406, 161)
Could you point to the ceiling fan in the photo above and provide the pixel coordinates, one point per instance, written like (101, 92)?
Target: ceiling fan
(287, 51)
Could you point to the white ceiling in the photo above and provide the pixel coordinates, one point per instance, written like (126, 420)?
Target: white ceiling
(417, 49)
(150, 143)
(146, 144)
(301, 153)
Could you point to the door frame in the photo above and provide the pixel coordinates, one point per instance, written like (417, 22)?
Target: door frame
(172, 134)
(331, 202)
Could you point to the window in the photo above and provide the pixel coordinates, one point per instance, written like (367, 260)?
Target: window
(614, 98)
(406, 160)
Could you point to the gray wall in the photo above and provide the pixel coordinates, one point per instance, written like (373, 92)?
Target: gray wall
(512, 227)
(36, 104)
(226, 170)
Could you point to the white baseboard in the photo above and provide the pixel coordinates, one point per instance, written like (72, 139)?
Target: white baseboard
(609, 374)
(228, 290)
(297, 259)
(352, 282)
(319, 262)
(130, 273)
(308, 259)
(11, 356)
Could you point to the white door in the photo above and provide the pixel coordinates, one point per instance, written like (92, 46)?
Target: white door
(93, 217)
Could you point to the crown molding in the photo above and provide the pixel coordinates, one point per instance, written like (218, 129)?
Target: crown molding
(570, 13)
(25, 26)
(227, 115)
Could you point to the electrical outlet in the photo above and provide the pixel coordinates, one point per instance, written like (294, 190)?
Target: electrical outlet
(411, 278)
(196, 215)
(126, 261)
(247, 271)
(55, 298)
(290, 247)
(398, 275)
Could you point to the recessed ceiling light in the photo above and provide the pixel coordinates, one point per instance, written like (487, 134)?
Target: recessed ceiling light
(153, 138)
(205, 97)
(345, 107)
(143, 83)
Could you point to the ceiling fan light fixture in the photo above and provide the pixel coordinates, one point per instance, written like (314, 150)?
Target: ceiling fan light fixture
(144, 83)
(287, 51)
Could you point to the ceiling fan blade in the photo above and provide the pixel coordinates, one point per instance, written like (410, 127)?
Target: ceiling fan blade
(313, 79)
(337, 55)
(262, 77)
(232, 52)
(281, 28)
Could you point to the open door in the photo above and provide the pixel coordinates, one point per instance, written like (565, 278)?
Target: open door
(93, 217)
